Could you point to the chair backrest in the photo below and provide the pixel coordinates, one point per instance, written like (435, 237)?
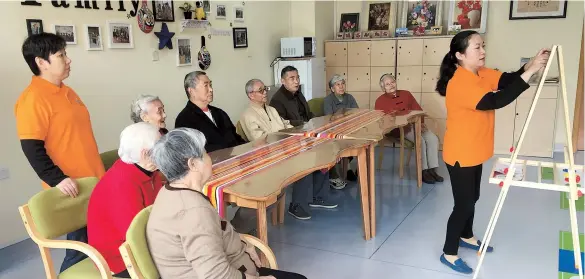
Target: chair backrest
(240, 131)
(109, 158)
(316, 106)
(56, 214)
(141, 263)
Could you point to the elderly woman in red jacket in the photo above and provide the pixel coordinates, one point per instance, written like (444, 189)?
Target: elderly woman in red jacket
(130, 185)
(149, 108)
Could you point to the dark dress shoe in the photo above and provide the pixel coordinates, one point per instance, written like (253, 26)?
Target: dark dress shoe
(436, 176)
(427, 177)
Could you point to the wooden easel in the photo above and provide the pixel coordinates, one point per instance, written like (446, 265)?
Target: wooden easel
(559, 185)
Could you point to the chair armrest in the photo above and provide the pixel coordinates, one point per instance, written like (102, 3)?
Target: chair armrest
(85, 248)
(263, 248)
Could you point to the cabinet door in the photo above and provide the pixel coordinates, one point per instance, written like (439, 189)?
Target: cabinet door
(547, 92)
(376, 73)
(373, 97)
(430, 75)
(358, 53)
(417, 96)
(335, 54)
(362, 99)
(438, 127)
(383, 53)
(434, 105)
(434, 50)
(358, 79)
(409, 52)
(504, 129)
(409, 78)
(540, 136)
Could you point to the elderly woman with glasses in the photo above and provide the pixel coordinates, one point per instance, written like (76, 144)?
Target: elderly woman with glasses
(186, 236)
(149, 108)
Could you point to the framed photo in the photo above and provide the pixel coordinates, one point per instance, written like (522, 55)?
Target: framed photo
(379, 16)
(471, 15)
(349, 22)
(240, 35)
(67, 32)
(385, 33)
(163, 10)
(93, 37)
(377, 34)
(367, 35)
(418, 17)
(357, 35)
(34, 26)
(184, 53)
(239, 14)
(538, 9)
(348, 35)
(220, 12)
(339, 36)
(120, 34)
(206, 7)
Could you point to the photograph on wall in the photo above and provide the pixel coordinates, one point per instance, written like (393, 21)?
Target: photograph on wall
(120, 35)
(379, 16)
(220, 12)
(93, 37)
(34, 26)
(67, 32)
(420, 16)
(471, 15)
(538, 9)
(240, 37)
(349, 22)
(184, 57)
(238, 13)
(163, 10)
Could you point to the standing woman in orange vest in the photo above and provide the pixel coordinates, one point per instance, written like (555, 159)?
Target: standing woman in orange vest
(473, 93)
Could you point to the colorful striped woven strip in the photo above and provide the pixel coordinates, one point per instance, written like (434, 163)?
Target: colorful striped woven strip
(348, 125)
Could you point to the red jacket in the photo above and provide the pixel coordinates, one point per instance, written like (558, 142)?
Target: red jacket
(122, 192)
(404, 101)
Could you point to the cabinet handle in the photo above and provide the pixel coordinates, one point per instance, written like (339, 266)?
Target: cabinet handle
(425, 46)
(424, 73)
(516, 113)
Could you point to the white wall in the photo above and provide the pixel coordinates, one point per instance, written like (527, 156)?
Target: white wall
(108, 80)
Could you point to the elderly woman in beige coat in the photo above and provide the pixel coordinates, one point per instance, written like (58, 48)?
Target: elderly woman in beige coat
(186, 236)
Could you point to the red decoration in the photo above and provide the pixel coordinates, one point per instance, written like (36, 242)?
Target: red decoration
(502, 184)
(579, 194)
(506, 171)
(467, 6)
(512, 149)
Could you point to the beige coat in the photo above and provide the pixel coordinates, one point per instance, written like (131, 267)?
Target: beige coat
(258, 121)
(188, 239)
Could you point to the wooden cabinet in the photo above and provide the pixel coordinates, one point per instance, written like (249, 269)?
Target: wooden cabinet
(336, 54)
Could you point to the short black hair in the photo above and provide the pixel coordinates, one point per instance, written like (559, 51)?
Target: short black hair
(286, 70)
(41, 45)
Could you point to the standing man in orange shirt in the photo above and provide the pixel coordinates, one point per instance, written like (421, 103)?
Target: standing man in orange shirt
(54, 126)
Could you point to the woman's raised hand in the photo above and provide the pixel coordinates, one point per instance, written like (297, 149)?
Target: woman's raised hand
(539, 61)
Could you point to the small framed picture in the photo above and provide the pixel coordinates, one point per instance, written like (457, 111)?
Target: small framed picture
(239, 14)
(120, 34)
(436, 30)
(377, 34)
(163, 10)
(93, 37)
(34, 26)
(184, 57)
(240, 36)
(347, 35)
(67, 32)
(357, 35)
(339, 36)
(220, 12)
(385, 33)
(367, 35)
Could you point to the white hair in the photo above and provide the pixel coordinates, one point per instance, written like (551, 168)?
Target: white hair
(135, 138)
(384, 77)
(173, 151)
(140, 107)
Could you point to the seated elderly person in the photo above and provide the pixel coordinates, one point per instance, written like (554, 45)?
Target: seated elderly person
(337, 100)
(129, 186)
(402, 100)
(150, 109)
(186, 236)
(260, 120)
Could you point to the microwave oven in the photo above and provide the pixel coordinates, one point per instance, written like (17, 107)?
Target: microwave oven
(298, 47)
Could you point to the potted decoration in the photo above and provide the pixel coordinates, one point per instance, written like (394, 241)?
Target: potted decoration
(470, 16)
(187, 10)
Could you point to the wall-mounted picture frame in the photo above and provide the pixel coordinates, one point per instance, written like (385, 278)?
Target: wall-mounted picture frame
(184, 51)
(339, 36)
(163, 10)
(240, 37)
(67, 32)
(417, 17)
(220, 11)
(93, 37)
(239, 14)
(471, 15)
(379, 16)
(120, 34)
(349, 22)
(34, 26)
(537, 9)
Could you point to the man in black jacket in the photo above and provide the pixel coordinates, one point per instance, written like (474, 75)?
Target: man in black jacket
(212, 121)
(291, 105)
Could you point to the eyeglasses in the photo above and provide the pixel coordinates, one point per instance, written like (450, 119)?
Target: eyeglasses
(262, 89)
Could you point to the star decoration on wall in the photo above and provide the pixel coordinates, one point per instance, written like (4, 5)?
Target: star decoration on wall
(165, 37)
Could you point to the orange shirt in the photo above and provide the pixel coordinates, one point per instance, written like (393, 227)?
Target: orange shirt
(469, 137)
(57, 116)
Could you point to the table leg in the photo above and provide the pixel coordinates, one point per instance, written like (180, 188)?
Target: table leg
(262, 228)
(363, 181)
(372, 188)
(418, 149)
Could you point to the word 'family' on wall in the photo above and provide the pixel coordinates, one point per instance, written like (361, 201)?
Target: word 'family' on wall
(86, 4)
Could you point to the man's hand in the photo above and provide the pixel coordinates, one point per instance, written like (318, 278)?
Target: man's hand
(68, 187)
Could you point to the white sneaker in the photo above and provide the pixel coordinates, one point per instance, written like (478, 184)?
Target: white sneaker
(337, 183)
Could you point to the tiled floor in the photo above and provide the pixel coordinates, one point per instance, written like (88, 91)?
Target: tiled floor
(410, 233)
